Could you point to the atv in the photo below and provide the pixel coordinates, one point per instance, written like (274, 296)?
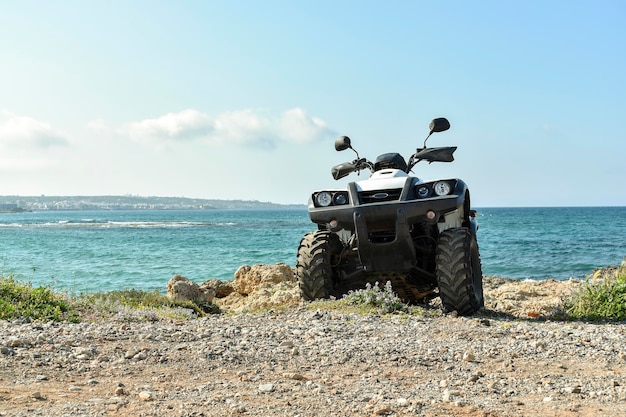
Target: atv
(419, 235)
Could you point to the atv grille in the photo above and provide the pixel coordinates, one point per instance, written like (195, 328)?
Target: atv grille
(379, 196)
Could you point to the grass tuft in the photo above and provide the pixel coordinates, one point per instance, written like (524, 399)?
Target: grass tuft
(602, 298)
(21, 300)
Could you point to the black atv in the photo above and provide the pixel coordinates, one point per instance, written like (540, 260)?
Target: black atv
(394, 227)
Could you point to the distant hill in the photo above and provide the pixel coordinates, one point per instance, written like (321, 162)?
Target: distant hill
(129, 202)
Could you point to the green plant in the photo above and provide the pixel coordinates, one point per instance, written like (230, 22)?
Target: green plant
(139, 305)
(600, 298)
(19, 300)
(384, 299)
(41, 303)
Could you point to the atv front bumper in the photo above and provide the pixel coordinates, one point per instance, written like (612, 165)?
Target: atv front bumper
(395, 219)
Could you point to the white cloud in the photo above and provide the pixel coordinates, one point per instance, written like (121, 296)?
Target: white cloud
(99, 126)
(21, 131)
(296, 126)
(243, 127)
(184, 125)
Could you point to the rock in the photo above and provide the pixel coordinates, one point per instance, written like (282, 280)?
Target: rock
(402, 402)
(146, 396)
(267, 388)
(16, 342)
(382, 410)
(448, 395)
(574, 390)
(36, 395)
(220, 288)
(248, 278)
(293, 375)
(261, 286)
(182, 289)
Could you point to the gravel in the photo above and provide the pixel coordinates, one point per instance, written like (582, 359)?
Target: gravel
(314, 363)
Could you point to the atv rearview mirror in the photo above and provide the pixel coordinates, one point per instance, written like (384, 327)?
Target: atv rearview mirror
(342, 143)
(440, 124)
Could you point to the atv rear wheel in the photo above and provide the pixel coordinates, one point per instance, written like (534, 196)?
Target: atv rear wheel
(314, 265)
(459, 273)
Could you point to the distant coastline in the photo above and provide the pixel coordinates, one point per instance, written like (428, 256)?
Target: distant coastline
(20, 204)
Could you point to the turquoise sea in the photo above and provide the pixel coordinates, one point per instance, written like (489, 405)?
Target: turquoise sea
(88, 251)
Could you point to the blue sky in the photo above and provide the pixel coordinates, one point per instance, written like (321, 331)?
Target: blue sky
(243, 99)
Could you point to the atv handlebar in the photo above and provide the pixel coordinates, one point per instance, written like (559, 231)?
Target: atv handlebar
(347, 168)
(440, 154)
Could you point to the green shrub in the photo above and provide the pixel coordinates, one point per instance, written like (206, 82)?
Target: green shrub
(601, 298)
(22, 300)
(19, 300)
(139, 305)
(385, 300)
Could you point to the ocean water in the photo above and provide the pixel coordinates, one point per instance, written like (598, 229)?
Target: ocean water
(88, 251)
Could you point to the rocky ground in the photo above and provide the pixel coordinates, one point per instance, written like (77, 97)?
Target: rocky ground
(297, 361)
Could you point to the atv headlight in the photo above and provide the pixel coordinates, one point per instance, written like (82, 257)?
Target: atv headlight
(324, 199)
(340, 198)
(422, 191)
(442, 188)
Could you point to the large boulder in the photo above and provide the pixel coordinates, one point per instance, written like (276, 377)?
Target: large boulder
(261, 286)
(254, 288)
(220, 288)
(182, 289)
(249, 278)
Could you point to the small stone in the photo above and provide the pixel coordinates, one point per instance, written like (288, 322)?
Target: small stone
(469, 357)
(130, 354)
(16, 342)
(448, 395)
(475, 377)
(382, 410)
(266, 388)
(293, 375)
(574, 390)
(402, 402)
(146, 396)
(119, 391)
(75, 388)
(42, 377)
(36, 395)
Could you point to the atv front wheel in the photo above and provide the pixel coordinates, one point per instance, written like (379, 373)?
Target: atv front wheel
(314, 265)
(459, 273)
